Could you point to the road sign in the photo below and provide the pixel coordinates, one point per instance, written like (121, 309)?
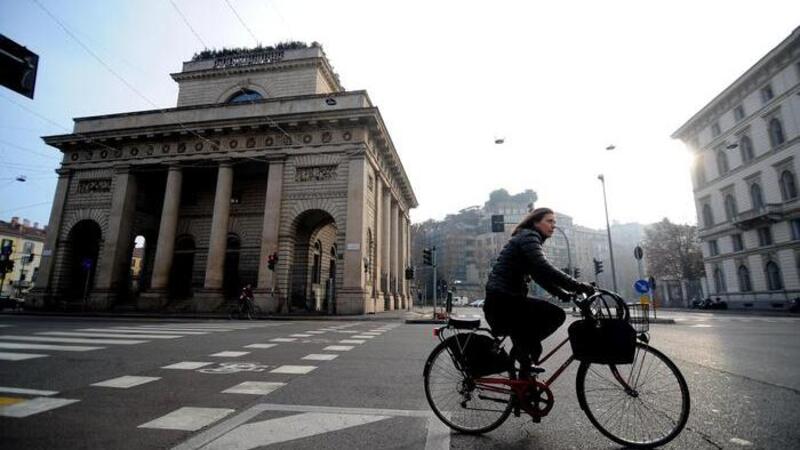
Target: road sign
(642, 286)
(638, 253)
(644, 299)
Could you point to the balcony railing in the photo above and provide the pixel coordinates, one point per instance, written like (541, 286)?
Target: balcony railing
(755, 217)
(248, 59)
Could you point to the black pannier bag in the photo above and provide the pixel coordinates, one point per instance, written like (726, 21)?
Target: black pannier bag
(603, 341)
(480, 354)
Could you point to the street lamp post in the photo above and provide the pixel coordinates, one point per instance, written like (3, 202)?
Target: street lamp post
(569, 258)
(608, 230)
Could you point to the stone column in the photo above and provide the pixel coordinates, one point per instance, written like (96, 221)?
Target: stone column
(386, 232)
(41, 293)
(211, 295)
(404, 257)
(379, 238)
(409, 259)
(114, 258)
(269, 239)
(395, 257)
(165, 247)
(353, 297)
(401, 258)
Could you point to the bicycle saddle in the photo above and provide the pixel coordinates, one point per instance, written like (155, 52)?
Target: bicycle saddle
(464, 323)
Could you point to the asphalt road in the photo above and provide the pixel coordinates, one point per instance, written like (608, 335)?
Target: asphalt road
(343, 384)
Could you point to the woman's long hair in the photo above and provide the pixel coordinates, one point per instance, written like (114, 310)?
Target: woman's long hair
(532, 218)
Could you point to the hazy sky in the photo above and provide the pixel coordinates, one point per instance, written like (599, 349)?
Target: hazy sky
(559, 81)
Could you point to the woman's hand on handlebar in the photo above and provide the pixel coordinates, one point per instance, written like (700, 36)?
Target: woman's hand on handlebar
(585, 288)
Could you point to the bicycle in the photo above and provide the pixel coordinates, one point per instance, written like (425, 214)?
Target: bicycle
(642, 404)
(243, 308)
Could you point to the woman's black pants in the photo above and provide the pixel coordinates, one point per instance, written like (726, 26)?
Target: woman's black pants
(526, 320)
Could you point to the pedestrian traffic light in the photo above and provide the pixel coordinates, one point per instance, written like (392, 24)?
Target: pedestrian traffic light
(6, 266)
(272, 259)
(577, 272)
(598, 266)
(427, 257)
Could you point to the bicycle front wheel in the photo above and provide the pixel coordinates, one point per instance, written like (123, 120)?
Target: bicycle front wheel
(644, 404)
(457, 400)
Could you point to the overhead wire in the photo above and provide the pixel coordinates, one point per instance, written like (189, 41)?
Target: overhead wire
(241, 21)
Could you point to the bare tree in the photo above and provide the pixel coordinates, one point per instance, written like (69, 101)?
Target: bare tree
(673, 251)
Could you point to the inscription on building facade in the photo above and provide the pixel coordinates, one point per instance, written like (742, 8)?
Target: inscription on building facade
(315, 173)
(94, 185)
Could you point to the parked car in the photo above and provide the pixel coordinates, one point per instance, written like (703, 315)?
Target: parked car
(710, 304)
(11, 303)
(477, 303)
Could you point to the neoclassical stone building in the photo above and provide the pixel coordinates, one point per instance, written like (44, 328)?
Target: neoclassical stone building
(265, 153)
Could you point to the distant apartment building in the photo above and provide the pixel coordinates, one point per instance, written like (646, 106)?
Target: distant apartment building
(25, 242)
(746, 143)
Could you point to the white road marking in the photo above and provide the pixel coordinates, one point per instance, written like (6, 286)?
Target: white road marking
(438, 435)
(741, 442)
(300, 335)
(352, 341)
(34, 406)
(338, 348)
(293, 369)
(363, 336)
(125, 382)
(188, 365)
(67, 340)
(137, 331)
(282, 429)
(64, 348)
(188, 419)
(347, 331)
(12, 390)
(316, 332)
(109, 335)
(230, 354)
(4, 326)
(184, 330)
(371, 333)
(701, 325)
(283, 340)
(260, 345)
(5, 356)
(320, 357)
(254, 388)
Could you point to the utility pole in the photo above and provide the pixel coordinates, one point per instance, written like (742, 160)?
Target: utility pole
(435, 286)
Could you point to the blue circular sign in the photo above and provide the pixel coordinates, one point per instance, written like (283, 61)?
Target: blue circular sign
(642, 286)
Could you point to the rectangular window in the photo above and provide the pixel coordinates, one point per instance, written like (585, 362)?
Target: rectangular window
(27, 248)
(738, 244)
(715, 130)
(764, 236)
(738, 113)
(767, 94)
(795, 224)
(713, 248)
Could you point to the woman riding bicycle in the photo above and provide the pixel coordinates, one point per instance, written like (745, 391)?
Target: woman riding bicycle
(508, 309)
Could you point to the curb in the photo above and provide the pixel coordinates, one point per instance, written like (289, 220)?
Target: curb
(426, 321)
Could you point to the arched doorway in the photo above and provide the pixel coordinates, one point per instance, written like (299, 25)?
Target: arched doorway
(315, 233)
(84, 246)
(180, 280)
(230, 281)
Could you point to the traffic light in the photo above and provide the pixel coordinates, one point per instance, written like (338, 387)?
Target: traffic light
(6, 266)
(272, 259)
(427, 257)
(577, 272)
(409, 273)
(17, 67)
(498, 223)
(598, 266)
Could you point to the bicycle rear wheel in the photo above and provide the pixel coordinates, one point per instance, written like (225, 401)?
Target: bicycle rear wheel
(457, 400)
(650, 411)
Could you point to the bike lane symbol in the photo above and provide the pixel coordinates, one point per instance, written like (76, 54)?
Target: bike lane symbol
(226, 368)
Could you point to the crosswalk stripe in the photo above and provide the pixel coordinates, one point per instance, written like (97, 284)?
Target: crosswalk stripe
(188, 418)
(320, 357)
(23, 391)
(109, 335)
(65, 348)
(34, 406)
(6, 356)
(188, 365)
(338, 348)
(352, 341)
(125, 382)
(134, 330)
(295, 370)
(230, 354)
(67, 340)
(283, 340)
(260, 345)
(183, 330)
(283, 429)
(254, 388)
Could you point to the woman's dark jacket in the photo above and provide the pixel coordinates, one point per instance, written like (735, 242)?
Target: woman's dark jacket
(523, 256)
